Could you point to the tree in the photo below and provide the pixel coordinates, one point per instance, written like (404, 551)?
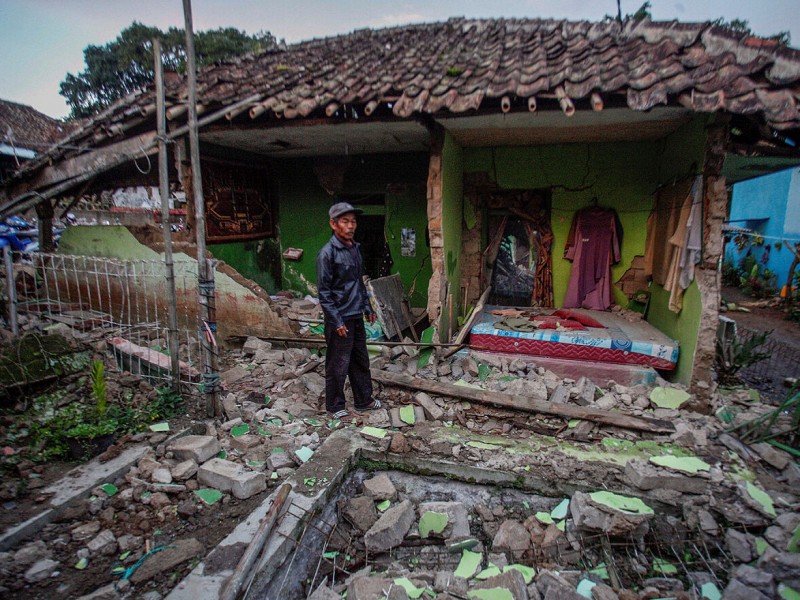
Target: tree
(126, 64)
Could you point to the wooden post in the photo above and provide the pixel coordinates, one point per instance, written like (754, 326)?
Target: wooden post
(163, 188)
(44, 212)
(12, 289)
(207, 324)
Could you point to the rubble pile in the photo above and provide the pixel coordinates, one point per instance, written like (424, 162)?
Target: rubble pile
(695, 485)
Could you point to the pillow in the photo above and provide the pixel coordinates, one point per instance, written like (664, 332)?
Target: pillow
(581, 318)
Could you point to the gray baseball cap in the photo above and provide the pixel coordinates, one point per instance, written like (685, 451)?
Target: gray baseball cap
(342, 208)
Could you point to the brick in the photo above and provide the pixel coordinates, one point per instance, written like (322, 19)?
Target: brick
(196, 447)
(228, 476)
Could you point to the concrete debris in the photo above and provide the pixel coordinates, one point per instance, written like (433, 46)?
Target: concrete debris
(390, 529)
(380, 488)
(195, 447)
(228, 476)
(593, 516)
(41, 570)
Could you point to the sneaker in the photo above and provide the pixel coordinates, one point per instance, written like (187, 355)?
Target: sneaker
(374, 405)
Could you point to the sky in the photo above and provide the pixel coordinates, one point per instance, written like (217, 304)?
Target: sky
(43, 40)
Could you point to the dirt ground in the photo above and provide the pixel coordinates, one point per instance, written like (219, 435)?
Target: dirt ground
(762, 317)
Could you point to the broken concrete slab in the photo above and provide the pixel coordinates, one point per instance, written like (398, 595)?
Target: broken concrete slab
(380, 488)
(144, 361)
(594, 515)
(360, 512)
(176, 553)
(457, 519)
(371, 587)
(227, 476)
(510, 580)
(195, 447)
(391, 528)
(511, 537)
(646, 476)
(432, 410)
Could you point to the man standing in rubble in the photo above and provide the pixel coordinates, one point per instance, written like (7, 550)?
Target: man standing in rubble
(345, 303)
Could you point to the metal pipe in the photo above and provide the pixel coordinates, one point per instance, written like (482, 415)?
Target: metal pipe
(205, 272)
(12, 289)
(163, 188)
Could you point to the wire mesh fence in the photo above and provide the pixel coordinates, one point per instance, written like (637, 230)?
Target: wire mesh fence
(123, 303)
(769, 375)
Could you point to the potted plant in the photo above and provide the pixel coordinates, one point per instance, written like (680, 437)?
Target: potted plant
(95, 431)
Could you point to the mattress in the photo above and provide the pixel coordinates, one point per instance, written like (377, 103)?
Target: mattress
(619, 341)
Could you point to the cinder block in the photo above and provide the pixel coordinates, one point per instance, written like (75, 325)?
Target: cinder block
(228, 476)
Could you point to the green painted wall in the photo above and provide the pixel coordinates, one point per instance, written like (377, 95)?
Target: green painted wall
(111, 241)
(452, 217)
(258, 260)
(682, 326)
(622, 176)
(303, 222)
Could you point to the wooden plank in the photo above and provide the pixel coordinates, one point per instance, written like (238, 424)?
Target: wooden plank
(462, 334)
(568, 411)
(96, 161)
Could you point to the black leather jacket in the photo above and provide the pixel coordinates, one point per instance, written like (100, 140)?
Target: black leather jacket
(342, 294)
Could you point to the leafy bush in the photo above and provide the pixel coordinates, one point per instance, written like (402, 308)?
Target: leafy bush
(734, 355)
(731, 275)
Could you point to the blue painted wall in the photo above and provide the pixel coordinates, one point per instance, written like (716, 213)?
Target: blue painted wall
(770, 206)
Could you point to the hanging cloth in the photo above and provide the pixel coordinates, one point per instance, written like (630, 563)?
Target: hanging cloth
(685, 246)
(661, 226)
(593, 245)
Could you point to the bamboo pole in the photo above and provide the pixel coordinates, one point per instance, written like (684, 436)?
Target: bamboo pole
(240, 574)
(163, 189)
(205, 271)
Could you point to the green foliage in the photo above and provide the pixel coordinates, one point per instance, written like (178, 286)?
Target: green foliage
(735, 355)
(742, 27)
(731, 275)
(125, 64)
(99, 392)
(169, 402)
(756, 280)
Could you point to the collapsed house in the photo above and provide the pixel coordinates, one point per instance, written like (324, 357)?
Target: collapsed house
(484, 153)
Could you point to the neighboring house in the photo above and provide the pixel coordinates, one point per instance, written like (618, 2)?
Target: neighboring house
(24, 133)
(769, 208)
(441, 131)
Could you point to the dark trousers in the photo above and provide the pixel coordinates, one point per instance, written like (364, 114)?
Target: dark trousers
(347, 356)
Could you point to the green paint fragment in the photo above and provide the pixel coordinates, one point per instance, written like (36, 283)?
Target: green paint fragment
(255, 463)
(664, 567)
(626, 504)
(573, 423)
(333, 423)
(792, 546)
(614, 443)
(240, 430)
(275, 422)
(466, 544)
(407, 415)
(763, 499)
(484, 371)
(668, 397)
(507, 378)
(159, 427)
(375, 432)
(222, 454)
(209, 496)
(274, 475)
(469, 564)
(432, 522)
(754, 395)
(383, 506)
(528, 573)
(118, 570)
(277, 450)
(125, 555)
(330, 555)
(310, 481)
(262, 431)
(482, 445)
(82, 564)
(526, 504)
(312, 422)
(463, 383)
(412, 590)
(110, 489)
(787, 593)
(561, 526)
(267, 400)
(761, 545)
(544, 517)
(684, 464)
(710, 591)
(498, 593)
(425, 353)
(725, 414)
(600, 570)
(560, 511)
(304, 454)
(490, 571)
(585, 588)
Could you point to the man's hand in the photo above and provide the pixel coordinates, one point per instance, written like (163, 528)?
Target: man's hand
(342, 330)
(371, 317)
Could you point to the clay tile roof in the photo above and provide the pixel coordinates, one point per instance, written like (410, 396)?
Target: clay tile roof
(25, 127)
(463, 64)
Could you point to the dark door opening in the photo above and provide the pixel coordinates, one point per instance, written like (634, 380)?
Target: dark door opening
(369, 234)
